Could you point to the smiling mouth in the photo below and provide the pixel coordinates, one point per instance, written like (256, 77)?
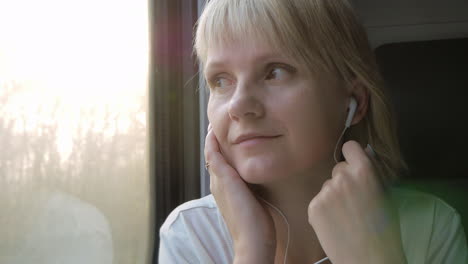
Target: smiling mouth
(255, 140)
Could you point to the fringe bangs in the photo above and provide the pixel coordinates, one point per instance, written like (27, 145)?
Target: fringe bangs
(226, 21)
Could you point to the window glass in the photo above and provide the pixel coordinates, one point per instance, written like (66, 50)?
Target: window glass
(73, 167)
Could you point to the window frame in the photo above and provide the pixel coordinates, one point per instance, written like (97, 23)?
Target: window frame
(203, 103)
(173, 110)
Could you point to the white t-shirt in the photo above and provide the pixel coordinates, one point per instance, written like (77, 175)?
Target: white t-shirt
(431, 232)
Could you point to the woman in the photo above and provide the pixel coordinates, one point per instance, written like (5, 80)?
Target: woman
(289, 182)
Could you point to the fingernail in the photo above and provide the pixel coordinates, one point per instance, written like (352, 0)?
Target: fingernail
(370, 150)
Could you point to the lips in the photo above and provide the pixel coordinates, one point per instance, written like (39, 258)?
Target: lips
(246, 137)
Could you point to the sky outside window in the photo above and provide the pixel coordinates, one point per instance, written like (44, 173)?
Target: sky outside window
(73, 92)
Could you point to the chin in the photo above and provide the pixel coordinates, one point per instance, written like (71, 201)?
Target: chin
(254, 179)
(260, 172)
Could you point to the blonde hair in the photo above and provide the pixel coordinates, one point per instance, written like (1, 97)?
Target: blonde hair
(326, 36)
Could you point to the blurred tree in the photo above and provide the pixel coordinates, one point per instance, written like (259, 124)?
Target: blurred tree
(106, 167)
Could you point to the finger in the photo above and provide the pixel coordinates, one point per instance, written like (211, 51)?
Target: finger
(353, 153)
(339, 168)
(211, 143)
(356, 157)
(218, 165)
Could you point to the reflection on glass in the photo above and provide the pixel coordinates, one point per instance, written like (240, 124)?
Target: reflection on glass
(73, 178)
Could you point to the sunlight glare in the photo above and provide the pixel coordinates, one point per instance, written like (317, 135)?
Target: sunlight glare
(87, 54)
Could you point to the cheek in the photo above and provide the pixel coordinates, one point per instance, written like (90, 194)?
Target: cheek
(312, 132)
(219, 120)
(310, 138)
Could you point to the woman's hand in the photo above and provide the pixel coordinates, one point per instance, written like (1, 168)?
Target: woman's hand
(351, 215)
(248, 221)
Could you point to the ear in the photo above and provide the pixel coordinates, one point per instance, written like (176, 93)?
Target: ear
(361, 94)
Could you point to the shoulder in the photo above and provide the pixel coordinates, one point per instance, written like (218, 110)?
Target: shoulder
(430, 228)
(191, 210)
(195, 230)
(420, 201)
(421, 209)
(416, 207)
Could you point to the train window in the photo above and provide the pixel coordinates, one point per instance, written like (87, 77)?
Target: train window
(73, 134)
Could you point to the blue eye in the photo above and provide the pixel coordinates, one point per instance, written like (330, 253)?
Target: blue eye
(222, 82)
(277, 74)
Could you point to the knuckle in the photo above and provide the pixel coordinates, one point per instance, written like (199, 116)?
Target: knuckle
(338, 175)
(337, 170)
(340, 179)
(339, 183)
(341, 186)
(310, 219)
(313, 206)
(326, 185)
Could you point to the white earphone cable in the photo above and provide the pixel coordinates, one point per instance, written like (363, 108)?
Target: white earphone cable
(322, 260)
(287, 227)
(338, 142)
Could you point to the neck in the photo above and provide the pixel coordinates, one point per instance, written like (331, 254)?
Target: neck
(292, 197)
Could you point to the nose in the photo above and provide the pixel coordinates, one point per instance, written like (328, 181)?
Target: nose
(246, 103)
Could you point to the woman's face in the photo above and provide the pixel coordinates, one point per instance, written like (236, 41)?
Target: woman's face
(271, 117)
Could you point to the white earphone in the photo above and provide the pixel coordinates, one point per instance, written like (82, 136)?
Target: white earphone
(352, 110)
(349, 119)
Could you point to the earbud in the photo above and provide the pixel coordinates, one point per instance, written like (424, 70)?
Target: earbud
(352, 110)
(349, 119)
